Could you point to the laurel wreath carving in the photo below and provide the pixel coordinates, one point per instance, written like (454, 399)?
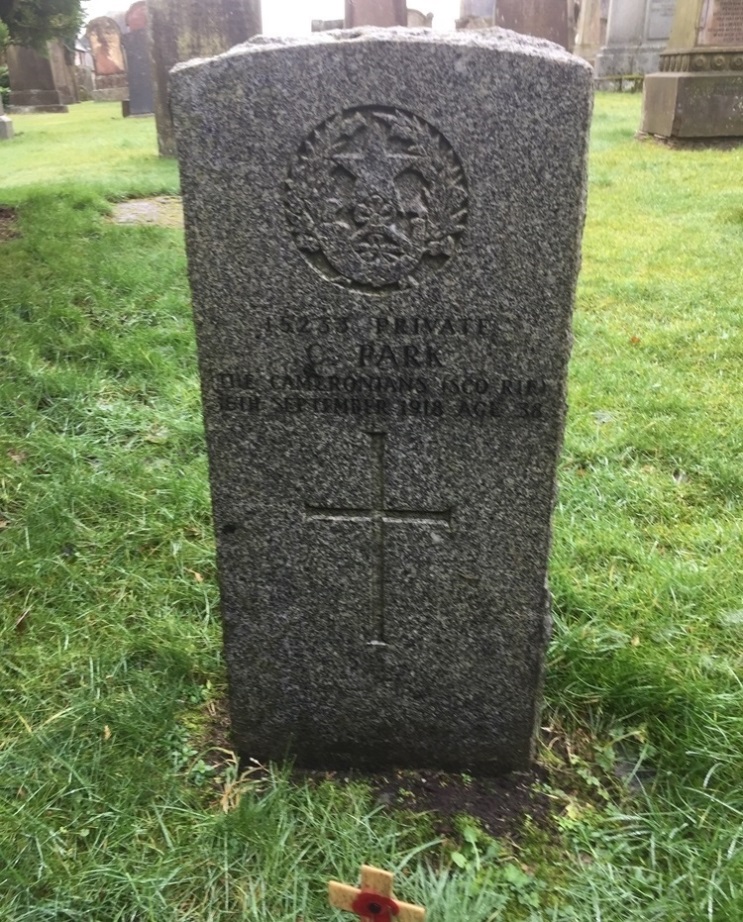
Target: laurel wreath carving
(364, 225)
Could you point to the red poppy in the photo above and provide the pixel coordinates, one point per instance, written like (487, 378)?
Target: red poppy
(374, 906)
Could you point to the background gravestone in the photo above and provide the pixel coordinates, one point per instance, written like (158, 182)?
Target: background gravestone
(184, 29)
(39, 83)
(636, 33)
(109, 66)
(6, 125)
(542, 18)
(383, 235)
(591, 29)
(139, 67)
(376, 13)
(699, 93)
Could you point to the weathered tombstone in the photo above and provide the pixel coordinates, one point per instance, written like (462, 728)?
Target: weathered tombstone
(541, 18)
(376, 13)
(591, 34)
(109, 66)
(38, 83)
(418, 20)
(476, 14)
(699, 93)
(325, 25)
(139, 68)
(383, 232)
(183, 29)
(636, 33)
(6, 125)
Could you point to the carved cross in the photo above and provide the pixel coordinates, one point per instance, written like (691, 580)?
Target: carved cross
(374, 899)
(380, 517)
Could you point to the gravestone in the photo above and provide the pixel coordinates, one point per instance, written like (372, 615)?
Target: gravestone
(139, 67)
(383, 234)
(38, 83)
(476, 14)
(699, 92)
(542, 18)
(419, 20)
(184, 29)
(636, 33)
(376, 13)
(6, 125)
(591, 29)
(109, 66)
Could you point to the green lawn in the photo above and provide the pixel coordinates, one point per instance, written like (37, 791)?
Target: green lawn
(117, 802)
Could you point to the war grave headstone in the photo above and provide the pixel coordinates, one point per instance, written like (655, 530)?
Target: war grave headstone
(699, 92)
(141, 99)
(376, 13)
(383, 233)
(109, 66)
(184, 29)
(636, 33)
(38, 83)
(591, 29)
(6, 125)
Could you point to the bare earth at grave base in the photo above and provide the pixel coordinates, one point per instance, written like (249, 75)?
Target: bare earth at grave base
(8, 223)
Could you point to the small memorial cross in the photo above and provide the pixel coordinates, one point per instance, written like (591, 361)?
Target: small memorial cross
(373, 900)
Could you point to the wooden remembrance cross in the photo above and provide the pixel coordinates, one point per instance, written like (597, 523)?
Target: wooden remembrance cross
(374, 899)
(380, 517)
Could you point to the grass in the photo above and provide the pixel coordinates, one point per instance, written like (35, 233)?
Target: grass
(111, 803)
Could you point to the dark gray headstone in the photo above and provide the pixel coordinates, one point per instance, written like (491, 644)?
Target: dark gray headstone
(383, 232)
(139, 69)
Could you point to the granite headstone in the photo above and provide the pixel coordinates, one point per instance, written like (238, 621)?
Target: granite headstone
(183, 29)
(636, 33)
(383, 230)
(699, 92)
(139, 67)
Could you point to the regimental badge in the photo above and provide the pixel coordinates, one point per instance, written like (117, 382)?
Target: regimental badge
(376, 199)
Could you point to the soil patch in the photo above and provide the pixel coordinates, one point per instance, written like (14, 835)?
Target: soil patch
(162, 210)
(502, 805)
(8, 223)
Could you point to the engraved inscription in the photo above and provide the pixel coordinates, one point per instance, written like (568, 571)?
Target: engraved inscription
(721, 23)
(660, 18)
(380, 517)
(376, 199)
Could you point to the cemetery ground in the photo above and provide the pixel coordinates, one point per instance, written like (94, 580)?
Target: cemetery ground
(120, 798)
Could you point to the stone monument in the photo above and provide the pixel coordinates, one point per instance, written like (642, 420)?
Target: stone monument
(139, 68)
(591, 29)
(6, 125)
(39, 83)
(476, 14)
(183, 29)
(699, 92)
(636, 33)
(376, 13)
(383, 233)
(419, 20)
(109, 66)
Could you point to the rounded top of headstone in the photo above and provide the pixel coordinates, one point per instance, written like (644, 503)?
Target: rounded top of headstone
(102, 25)
(496, 39)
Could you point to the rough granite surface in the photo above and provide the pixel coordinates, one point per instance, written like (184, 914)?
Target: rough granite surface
(383, 232)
